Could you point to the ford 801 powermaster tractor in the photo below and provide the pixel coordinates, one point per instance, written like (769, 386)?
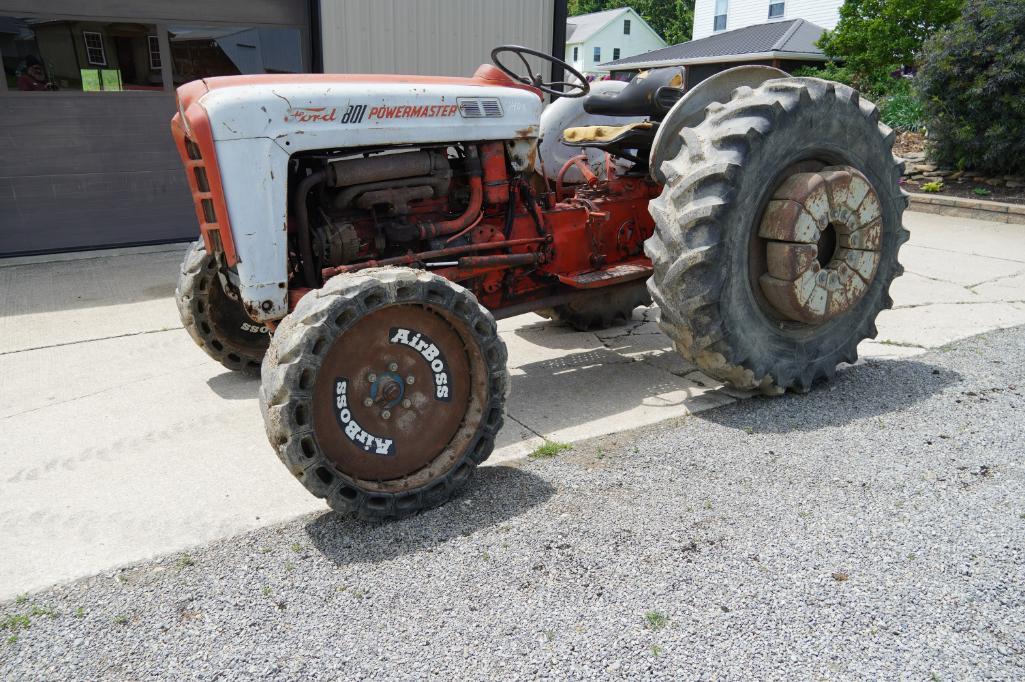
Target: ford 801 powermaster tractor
(361, 235)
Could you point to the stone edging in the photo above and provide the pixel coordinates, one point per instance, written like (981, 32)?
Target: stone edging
(996, 211)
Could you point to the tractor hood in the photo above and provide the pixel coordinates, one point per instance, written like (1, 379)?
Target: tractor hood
(313, 111)
(236, 135)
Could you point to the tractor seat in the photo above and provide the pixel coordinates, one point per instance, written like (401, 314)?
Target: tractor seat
(602, 134)
(641, 96)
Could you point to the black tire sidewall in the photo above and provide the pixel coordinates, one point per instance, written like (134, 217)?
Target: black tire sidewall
(314, 324)
(213, 320)
(835, 133)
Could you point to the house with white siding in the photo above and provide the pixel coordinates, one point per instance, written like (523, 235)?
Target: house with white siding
(609, 35)
(716, 16)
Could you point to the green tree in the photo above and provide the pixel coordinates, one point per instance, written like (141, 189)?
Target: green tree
(875, 36)
(971, 84)
(673, 20)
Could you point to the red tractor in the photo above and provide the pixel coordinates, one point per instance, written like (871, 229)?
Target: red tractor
(361, 235)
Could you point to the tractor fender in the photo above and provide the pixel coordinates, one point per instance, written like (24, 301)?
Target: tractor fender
(689, 111)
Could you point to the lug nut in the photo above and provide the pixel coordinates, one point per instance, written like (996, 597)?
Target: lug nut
(372, 378)
(367, 402)
(393, 367)
(407, 402)
(386, 415)
(410, 380)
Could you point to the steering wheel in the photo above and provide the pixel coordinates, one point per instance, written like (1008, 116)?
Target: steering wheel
(578, 89)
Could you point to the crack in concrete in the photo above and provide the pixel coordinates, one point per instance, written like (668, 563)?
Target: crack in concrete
(99, 338)
(95, 393)
(995, 279)
(936, 279)
(911, 306)
(962, 253)
(523, 425)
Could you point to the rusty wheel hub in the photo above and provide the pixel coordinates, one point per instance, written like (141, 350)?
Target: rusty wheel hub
(393, 392)
(822, 234)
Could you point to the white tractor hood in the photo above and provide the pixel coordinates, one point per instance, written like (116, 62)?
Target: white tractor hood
(257, 122)
(313, 115)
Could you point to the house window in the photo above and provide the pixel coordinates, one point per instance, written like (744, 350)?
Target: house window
(48, 53)
(776, 10)
(719, 22)
(576, 53)
(626, 27)
(94, 53)
(597, 55)
(154, 52)
(615, 53)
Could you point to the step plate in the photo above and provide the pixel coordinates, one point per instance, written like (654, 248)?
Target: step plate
(617, 274)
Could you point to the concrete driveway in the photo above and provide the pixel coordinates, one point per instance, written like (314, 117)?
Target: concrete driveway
(122, 440)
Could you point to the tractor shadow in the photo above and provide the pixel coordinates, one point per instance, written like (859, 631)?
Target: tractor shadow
(876, 389)
(631, 373)
(493, 496)
(234, 385)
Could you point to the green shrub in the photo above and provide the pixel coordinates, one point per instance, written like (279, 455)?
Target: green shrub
(934, 186)
(971, 84)
(875, 36)
(902, 109)
(899, 105)
(873, 85)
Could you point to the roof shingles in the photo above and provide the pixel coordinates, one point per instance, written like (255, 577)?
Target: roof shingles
(795, 35)
(583, 26)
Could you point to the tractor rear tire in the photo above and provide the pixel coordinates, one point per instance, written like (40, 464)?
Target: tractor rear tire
(602, 310)
(713, 247)
(218, 324)
(383, 391)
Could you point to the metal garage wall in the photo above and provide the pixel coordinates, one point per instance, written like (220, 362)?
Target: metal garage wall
(428, 37)
(91, 169)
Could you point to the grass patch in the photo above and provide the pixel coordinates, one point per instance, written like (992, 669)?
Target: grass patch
(886, 342)
(16, 622)
(185, 560)
(981, 192)
(121, 619)
(655, 620)
(79, 612)
(549, 449)
(43, 611)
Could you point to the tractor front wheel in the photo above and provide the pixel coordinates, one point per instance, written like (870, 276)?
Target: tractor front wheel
(216, 322)
(383, 390)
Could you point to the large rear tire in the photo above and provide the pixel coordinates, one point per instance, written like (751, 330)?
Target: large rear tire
(383, 391)
(217, 323)
(777, 234)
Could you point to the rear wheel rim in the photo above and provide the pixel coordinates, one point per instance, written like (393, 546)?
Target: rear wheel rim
(398, 396)
(818, 245)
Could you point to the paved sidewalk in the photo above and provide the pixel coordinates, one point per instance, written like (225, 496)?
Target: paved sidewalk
(122, 440)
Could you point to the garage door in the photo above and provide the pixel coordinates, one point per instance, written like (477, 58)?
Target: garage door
(88, 160)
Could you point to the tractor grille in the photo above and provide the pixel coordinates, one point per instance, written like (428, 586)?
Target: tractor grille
(480, 107)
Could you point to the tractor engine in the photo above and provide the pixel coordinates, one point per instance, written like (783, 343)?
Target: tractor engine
(471, 212)
(371, 205)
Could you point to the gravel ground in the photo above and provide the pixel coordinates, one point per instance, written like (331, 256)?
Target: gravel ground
(872, 528)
